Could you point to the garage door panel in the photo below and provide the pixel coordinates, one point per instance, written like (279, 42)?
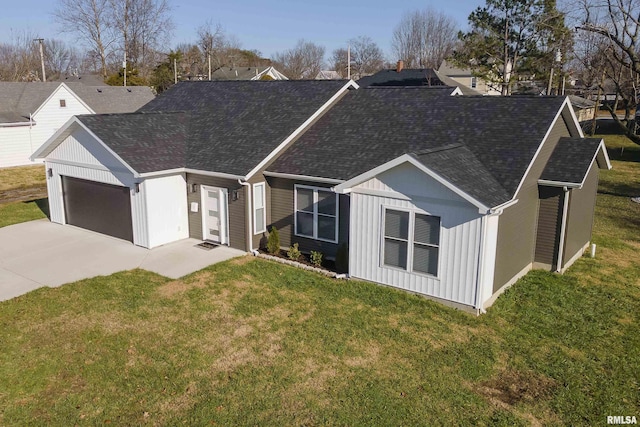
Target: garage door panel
(99, 207)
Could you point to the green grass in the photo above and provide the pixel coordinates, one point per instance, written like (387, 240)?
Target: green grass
(14, 213)
(22, 177)
(249, 342)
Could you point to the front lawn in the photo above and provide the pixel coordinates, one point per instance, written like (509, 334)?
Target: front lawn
(250, 342)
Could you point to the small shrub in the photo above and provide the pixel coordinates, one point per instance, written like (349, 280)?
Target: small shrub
(316, 258)
(342, 258)
(273, 243)
(294, 253)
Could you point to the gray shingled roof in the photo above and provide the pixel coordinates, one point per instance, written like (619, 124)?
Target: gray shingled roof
(147, 142)
(370, 127)
(112, 99)
(570, 160)
(232, 127)
(20, 99)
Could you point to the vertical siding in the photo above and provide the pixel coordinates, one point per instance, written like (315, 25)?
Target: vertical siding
(282, 217)
(580, 216)
(458, 257)
(166, 201)
(15, 146)
(81, 147)
(549, 224)
(237, 208)
(517, 225)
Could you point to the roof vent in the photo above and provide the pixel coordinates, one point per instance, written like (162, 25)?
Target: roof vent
(399, 66)
(128, 90)
(99, 90)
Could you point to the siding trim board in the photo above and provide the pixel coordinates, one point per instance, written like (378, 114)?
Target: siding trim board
(303, 177)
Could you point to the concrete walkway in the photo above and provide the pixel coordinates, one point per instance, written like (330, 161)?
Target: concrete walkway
(40, 253)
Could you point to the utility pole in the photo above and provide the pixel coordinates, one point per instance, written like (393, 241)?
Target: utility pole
(209, 59)
(124, 66)
(349, 61)
(44, 76)
(175, 71)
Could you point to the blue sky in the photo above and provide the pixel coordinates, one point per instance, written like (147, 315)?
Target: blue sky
(269, 26)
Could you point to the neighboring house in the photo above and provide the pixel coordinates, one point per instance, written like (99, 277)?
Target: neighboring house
(328, 75)
(401, 76)
(451, 197)
(87, 79)
(465, 77)
(584, 108)
(247, 73)
(31, 112)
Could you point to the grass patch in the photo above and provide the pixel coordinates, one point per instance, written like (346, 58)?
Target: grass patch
(14, 213)
(250, 342)
(22, 177)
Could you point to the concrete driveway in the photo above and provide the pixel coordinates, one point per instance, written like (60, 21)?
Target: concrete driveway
(40, 253)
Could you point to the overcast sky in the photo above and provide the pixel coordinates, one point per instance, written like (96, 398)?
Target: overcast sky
(266, 25)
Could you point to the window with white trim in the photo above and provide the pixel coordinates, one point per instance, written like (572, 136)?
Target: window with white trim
(316, 213)
(259, 209)
(474, 82)
(411, 241)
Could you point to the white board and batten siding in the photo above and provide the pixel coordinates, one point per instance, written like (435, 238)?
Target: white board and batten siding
(18, 143)
(167, 216)
(407, 188)
(81, 156)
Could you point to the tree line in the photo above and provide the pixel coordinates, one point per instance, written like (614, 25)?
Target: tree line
(507, 42)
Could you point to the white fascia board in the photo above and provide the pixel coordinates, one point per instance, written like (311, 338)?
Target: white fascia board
(106, 147)
(304, 177)
(301, 128)
(607, 160)
(576, 123)
(347, 186)
(55, 139)
(544, 141)
(456, 92)
(188, 170)
(561, 184)
(16, 124)
(62, 85)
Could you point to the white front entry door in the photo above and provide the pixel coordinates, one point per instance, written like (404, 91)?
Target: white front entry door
(215, 214)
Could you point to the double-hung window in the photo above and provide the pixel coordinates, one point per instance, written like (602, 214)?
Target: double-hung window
(316, 213)
(411, 241)
(259, 210)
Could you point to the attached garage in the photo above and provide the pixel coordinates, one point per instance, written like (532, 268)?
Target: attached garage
(99, 207)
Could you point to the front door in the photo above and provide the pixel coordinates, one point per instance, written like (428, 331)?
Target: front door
(215, 214)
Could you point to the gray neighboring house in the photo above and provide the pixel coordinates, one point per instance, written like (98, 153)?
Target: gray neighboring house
(450, 197)
(425, 77)
(32, 112)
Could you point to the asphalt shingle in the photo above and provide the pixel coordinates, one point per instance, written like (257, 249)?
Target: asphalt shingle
(236, 124)
(370, 127)
(570, 160)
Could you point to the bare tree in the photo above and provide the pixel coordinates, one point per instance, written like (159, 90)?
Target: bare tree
(304, 61)
(424, 38)
(18, 58)
(90, 21)
(339, 59)
(220, 46)
(366, 56)
(616, 23)
(58, 57)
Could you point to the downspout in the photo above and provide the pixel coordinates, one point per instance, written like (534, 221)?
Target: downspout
(249, 238)
(30, 131)
(481, 257)
(563, 229)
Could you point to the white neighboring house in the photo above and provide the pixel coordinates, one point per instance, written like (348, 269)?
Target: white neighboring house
(248, 73)
(32, 112)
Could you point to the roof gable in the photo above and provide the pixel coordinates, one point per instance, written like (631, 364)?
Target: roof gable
(498, 137)
(571, 160)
